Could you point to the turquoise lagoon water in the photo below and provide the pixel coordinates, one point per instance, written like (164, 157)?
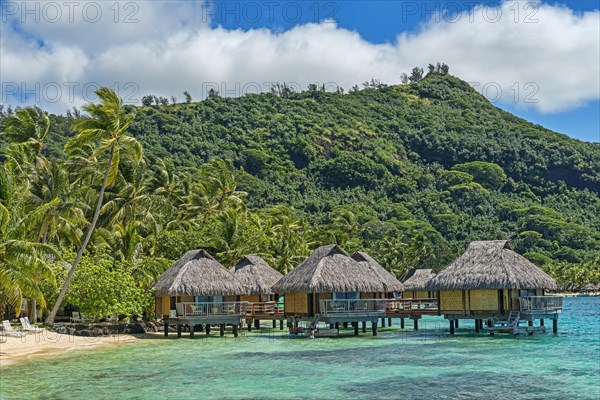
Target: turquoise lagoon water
(396, 364)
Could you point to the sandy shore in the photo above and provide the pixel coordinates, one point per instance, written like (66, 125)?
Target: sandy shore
(19, 349)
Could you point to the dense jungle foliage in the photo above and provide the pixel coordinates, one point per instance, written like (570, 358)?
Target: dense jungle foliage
(409, 173)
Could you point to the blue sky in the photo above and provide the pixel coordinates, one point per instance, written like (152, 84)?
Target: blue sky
(538, 60)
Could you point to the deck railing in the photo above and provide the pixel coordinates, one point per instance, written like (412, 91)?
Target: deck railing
(207, 310)
(541, 304)
(353, 307)
(264, 308)
(412, 306)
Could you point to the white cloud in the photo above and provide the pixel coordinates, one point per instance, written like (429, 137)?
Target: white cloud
(555, 60)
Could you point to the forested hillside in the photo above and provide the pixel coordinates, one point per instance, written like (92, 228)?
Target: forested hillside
(409, 173)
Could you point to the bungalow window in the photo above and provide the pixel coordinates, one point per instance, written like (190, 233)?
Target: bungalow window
(208, 299)
(526, 292)
(346, 296)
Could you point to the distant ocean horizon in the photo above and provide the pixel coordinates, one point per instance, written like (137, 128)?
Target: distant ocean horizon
(429, 364)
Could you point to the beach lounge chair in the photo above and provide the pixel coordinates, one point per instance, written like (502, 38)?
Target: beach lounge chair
(27, 327)
(10, 331)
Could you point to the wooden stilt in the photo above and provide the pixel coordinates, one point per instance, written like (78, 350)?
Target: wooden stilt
(476, 325)
(280, 324)
(389, 322)
(274, 324)
(257, 323)
(529, 323)
(249, 326)
(166, 327)
(192, 329)
(542, 322)
(345, 324)
(416, 324)
(331, 326)
(456, 323)
(222, 330)
(383, 322)
(355, 328)
(337, 326)
(178, 330)
(452, 327)
(364, 326)
(208, 329)
(235, 330)
(555, 325)
(374, 328)
(401, 323)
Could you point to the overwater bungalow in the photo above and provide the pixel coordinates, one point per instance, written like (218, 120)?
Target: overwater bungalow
(331, 286)
(198, 290)
(391, 284)
(415, 287)
(257, 278)
(490, 282)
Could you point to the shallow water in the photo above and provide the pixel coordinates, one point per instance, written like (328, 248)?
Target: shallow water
(396, 364)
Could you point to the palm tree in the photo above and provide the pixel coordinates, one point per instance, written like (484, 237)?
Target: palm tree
(27, 129)
(105, 127)
(23, 263)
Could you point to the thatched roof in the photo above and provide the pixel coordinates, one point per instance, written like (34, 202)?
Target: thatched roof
(419, 279)
(390, 282)
(256, 275)
(197, 274)
(491, 265)
(329, 269)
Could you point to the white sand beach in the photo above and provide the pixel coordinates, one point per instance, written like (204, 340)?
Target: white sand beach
(19, 349)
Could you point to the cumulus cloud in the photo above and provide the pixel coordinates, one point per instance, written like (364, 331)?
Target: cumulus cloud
(547, 57)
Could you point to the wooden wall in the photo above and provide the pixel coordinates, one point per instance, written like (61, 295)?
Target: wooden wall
(451, 301)
(296, 303)
(483, 300)
(253, 298)
(162, 306)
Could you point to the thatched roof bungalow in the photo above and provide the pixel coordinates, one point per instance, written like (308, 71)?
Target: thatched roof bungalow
(488, 280)
(196, 276)
(328, 273)
(390, 282)
(415, 287)
(257, 278)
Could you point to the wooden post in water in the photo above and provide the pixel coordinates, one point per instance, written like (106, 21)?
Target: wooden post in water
(374, 327)
(476, 326)
(274, 324)
(364, 326)
(235, 330)
(249, 326)
(192, 329)
(389, 322)
(542, 322)
(166, 327)
(178, 330)
(452, 327)
(257, 323)
(280, 324)
(383, 322)
(456, 323)
(222, 330)
(401, 323)
(208, 329)
(555, 325)
(355, 328)
(337, 326)
(530, 323)
(331, 326)
(345, 324)
(416, 324)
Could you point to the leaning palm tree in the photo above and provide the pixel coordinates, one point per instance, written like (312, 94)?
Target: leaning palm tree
(105, 127)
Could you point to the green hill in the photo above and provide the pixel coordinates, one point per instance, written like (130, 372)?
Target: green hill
(411, 173)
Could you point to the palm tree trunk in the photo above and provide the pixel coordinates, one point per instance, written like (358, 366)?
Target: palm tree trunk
(88, 236)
